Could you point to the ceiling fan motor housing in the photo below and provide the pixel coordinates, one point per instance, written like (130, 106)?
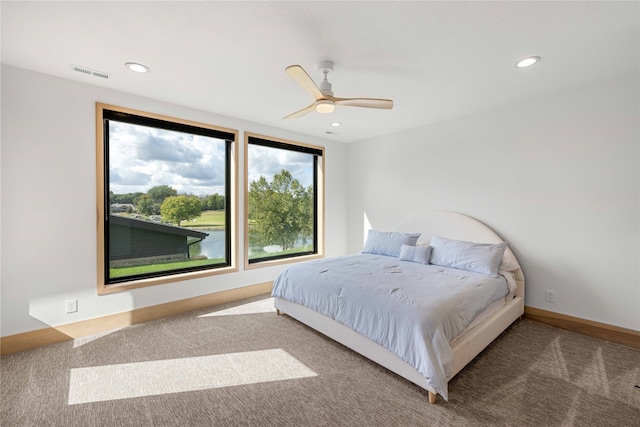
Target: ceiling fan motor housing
(325, 87)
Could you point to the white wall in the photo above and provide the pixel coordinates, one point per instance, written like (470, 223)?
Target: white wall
(48, 199)
(557, 177)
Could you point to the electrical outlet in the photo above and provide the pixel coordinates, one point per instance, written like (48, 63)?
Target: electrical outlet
(549, 295)
(71, 306)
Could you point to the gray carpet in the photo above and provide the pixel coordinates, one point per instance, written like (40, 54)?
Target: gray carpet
(239, 364)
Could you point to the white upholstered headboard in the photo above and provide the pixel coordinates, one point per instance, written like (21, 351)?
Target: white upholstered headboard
(453, 225)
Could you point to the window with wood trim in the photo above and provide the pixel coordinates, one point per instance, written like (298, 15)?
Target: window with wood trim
(284, 200)
(165, 197)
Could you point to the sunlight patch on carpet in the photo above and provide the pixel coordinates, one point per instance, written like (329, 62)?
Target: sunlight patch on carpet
(256, 307)
(594, 376)
(552, 362)
(129, 380)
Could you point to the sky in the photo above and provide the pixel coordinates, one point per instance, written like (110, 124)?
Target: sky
(267, 161)
(142, 157)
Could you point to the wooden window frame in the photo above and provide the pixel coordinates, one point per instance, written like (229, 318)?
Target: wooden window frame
(102, 209)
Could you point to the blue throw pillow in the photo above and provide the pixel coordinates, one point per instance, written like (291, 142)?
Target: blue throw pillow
(419, 254)
(482, 258)
(388, 242)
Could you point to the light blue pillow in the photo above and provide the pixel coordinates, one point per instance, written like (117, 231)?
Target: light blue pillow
(482, 258)
(388, 242)
(420, 254)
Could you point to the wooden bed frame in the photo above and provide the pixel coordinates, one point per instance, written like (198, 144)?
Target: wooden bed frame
(467, 346)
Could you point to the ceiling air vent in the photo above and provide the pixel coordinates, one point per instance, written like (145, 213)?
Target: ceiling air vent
(90, 72)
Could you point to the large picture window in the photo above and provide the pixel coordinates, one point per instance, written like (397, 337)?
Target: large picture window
(284, 200)
(166, 198)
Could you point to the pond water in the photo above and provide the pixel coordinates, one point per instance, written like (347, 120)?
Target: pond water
(213, 245)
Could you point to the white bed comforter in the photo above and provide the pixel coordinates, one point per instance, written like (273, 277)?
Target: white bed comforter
(411, 309)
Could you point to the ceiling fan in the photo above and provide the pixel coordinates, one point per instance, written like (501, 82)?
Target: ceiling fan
(325, 102)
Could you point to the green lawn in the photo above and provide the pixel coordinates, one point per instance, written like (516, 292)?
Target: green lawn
(207, 219)
(153, 268)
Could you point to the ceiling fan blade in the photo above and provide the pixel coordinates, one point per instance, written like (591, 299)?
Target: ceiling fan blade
(365, 102)
(302, 112)
(298, 74)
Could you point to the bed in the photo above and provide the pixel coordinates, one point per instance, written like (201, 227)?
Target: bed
(354, 287)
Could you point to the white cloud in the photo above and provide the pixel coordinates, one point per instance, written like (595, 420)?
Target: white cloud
(141, 157)
(267, 161)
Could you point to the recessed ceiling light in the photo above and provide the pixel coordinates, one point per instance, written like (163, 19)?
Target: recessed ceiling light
(527, 62)
(336, 124)
(138, 68)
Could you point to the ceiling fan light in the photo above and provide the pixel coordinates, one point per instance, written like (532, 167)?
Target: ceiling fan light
(325, 106)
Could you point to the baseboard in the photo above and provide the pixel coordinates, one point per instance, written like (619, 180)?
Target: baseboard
(41, 337)
(604, 331)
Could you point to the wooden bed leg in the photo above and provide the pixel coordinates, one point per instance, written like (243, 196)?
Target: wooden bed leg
(278, 311)
(432, 398)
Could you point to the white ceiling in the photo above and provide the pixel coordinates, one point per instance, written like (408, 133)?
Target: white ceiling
(436, 60)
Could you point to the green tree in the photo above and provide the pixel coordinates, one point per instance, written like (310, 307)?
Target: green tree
(161, 192)
(213, 202)
(149, 204)
(127, 198)
(145, 205)
(282, 210)
(181, 208)
(134, 197)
